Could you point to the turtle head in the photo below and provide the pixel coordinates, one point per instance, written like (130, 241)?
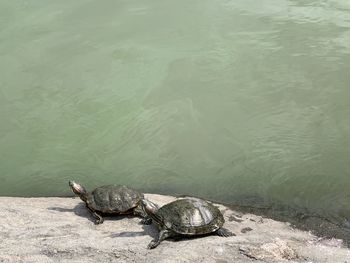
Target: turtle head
(149, 207)
(79, 190)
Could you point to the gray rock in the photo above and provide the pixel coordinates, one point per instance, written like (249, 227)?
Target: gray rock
(59, 230)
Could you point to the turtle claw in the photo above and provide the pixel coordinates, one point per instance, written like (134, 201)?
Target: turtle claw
(224, 233)
(99, 221)
(153, 244)
(163, 234)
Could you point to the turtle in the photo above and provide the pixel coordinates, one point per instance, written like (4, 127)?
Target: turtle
(111, 199)
(185, 217)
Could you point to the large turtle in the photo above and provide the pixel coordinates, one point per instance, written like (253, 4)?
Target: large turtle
(185, 217)
(111, 199)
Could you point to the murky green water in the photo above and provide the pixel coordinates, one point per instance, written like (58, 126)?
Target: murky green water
(239, 101)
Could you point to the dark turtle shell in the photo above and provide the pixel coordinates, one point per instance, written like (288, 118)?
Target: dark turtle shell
(191, 216)
(117, 199)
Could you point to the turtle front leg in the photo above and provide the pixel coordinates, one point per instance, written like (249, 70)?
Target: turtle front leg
(223, 232)
(163, 234)
(98, 218)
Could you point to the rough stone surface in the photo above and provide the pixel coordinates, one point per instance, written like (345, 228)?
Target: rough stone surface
(62, 230)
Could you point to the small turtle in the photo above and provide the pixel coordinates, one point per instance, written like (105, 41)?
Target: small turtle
(185, 217)
(111, 199)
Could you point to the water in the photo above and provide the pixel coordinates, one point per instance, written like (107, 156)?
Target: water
(244, 102)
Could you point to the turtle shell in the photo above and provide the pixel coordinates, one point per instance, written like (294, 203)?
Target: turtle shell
(116, 199)
(191, 216)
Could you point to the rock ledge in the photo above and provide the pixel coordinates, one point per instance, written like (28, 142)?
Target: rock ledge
(61, 230)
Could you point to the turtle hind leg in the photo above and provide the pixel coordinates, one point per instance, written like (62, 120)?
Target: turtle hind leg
(163, 234)
(223, 232)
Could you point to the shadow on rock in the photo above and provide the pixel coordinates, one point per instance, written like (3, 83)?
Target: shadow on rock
(153, 232)
(150, 230)
(79, 210)
(82, 211)
(129, 234)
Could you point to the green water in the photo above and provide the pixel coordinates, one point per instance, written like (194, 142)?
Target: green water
(239, 101)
